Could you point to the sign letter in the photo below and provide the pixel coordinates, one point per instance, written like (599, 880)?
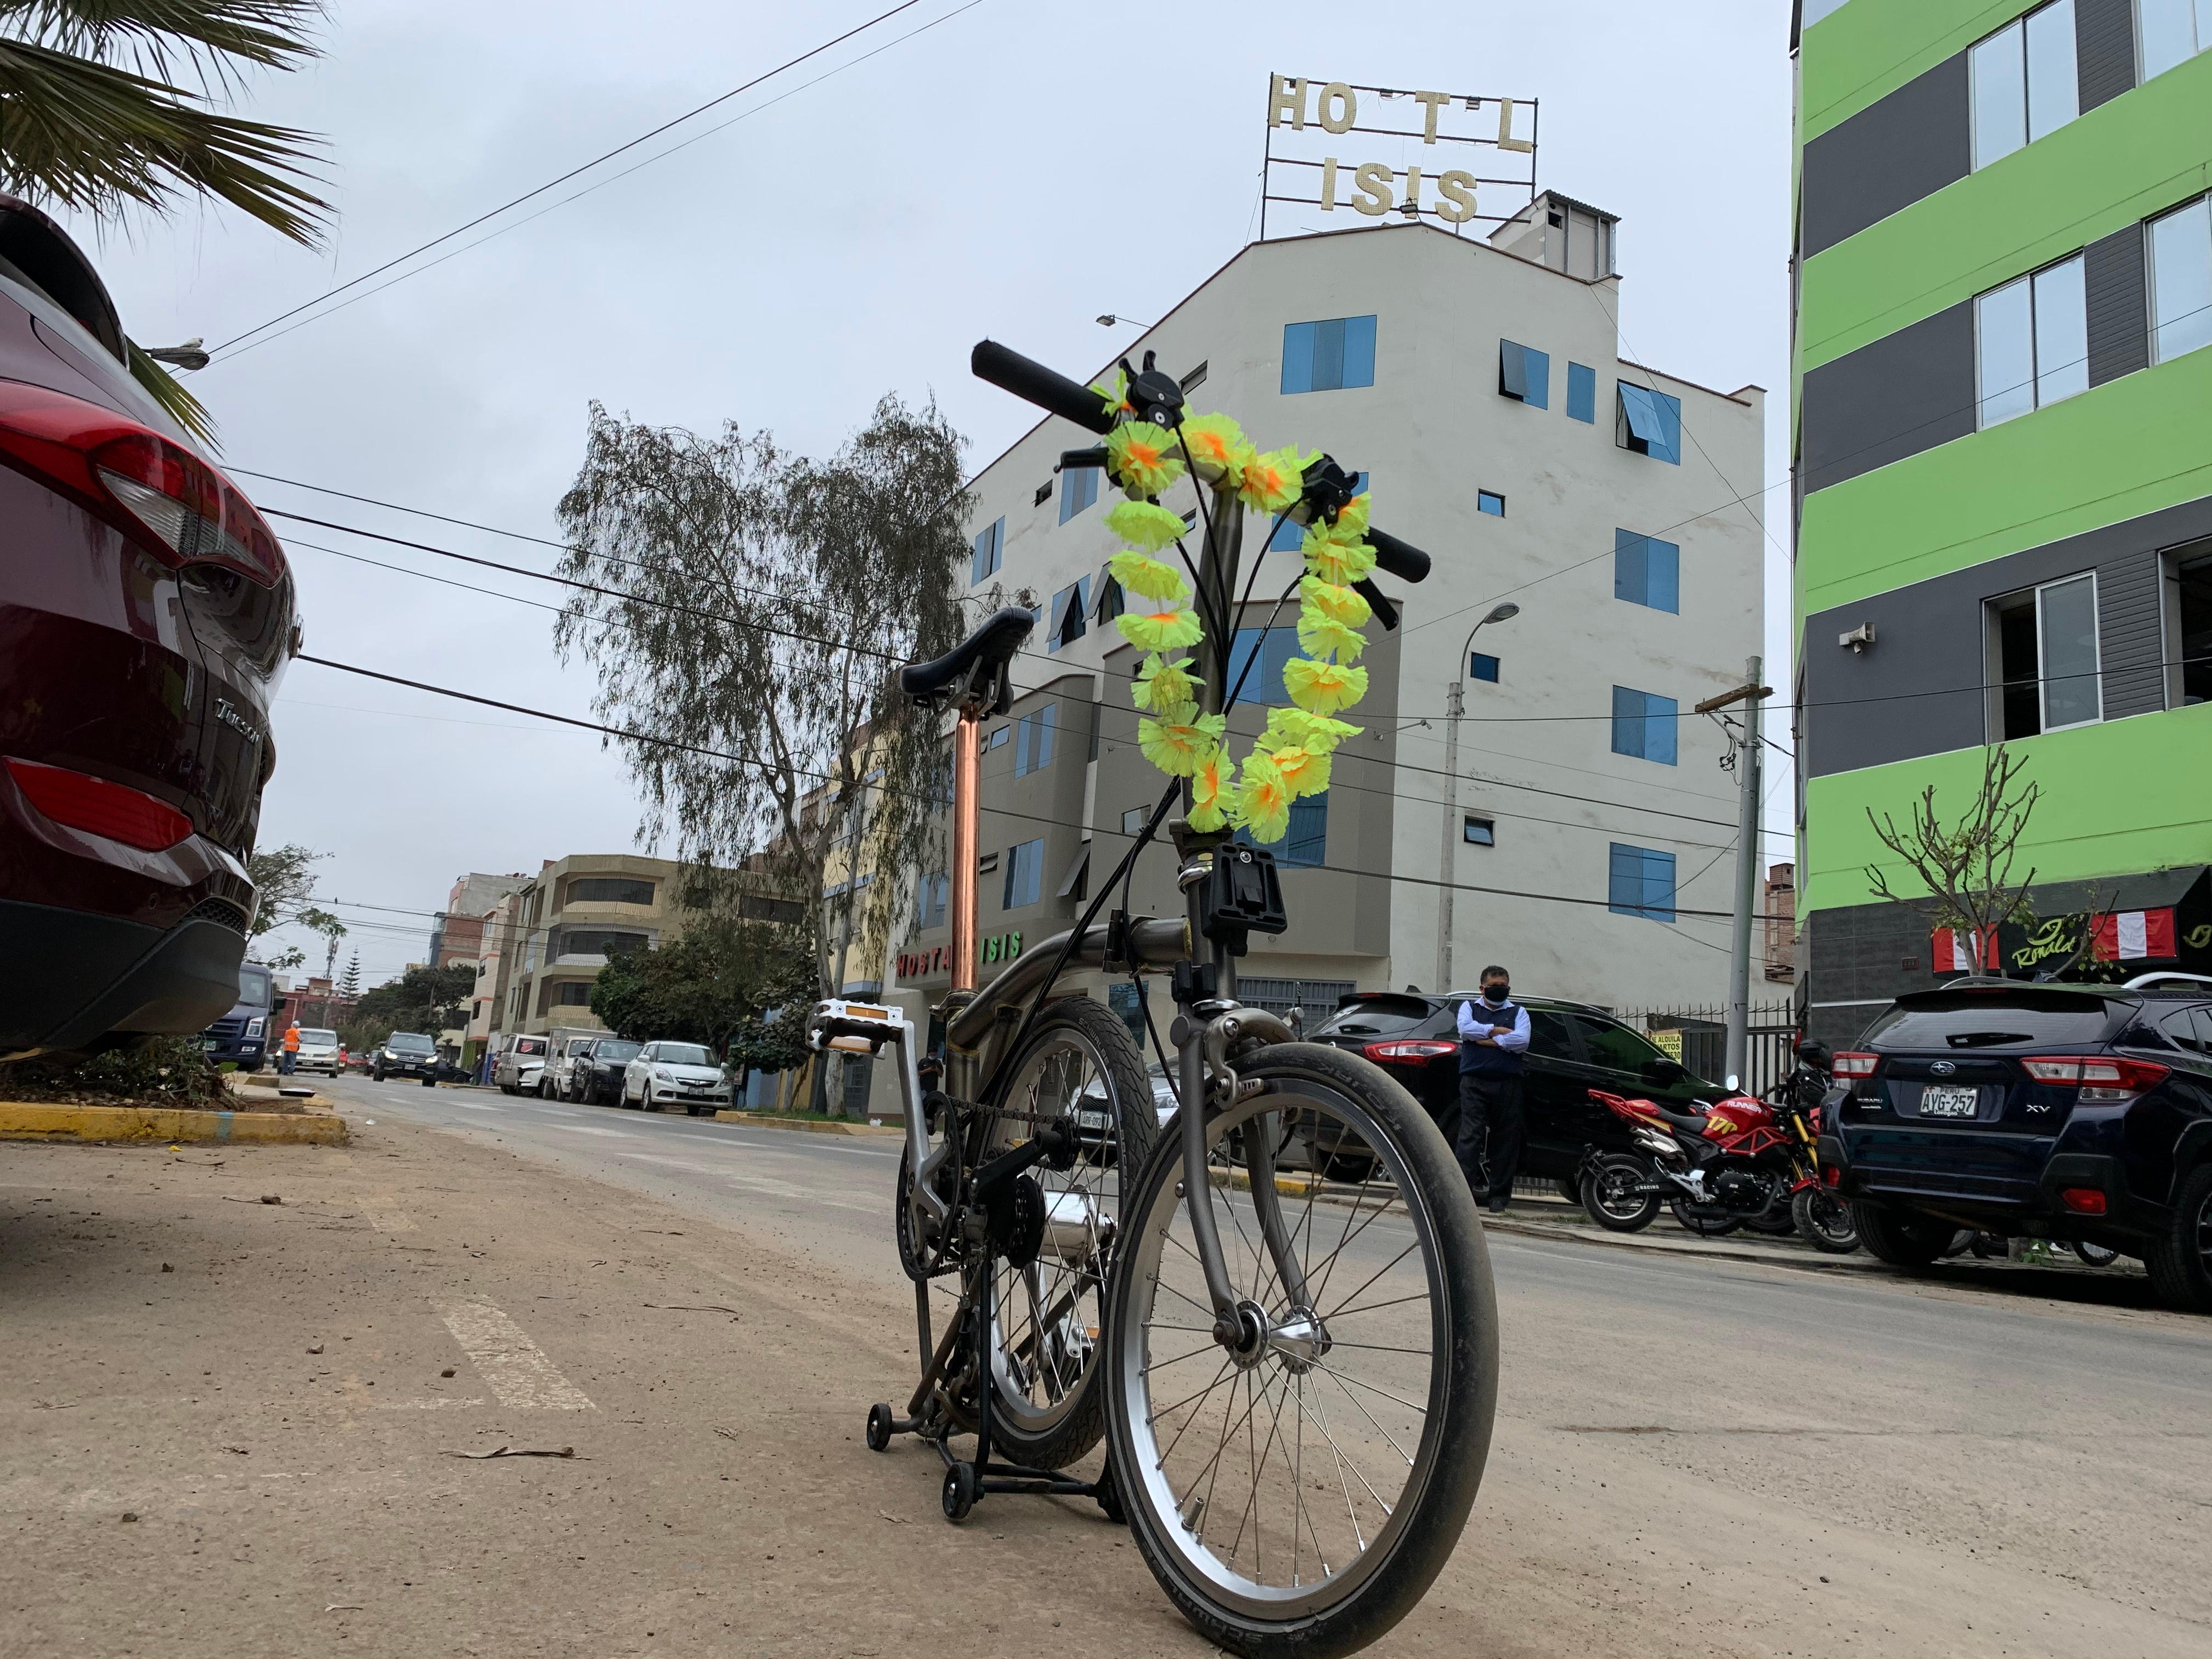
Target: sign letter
(1328, 184)
(1286, 96)
(1457, 189)
(1430, 103)
(1371, 192)
(1337, 97)
(1505, 138)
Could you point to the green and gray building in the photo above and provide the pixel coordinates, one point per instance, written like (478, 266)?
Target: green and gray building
(2002, 401)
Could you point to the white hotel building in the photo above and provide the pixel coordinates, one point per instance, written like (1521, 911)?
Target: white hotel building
(1479, 383)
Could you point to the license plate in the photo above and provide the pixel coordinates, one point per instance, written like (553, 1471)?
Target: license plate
(1092, 1120)
(1938, 1100)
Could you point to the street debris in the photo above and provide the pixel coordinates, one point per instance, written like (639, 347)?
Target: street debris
(241, 1450)
(448, 1371)
(315, 1348)
(345, 1606)
(271, 1198)
(129, 1514)
(689, 1307)
(517, 1451)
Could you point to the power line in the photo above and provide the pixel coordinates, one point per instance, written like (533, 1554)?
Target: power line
(551, 184)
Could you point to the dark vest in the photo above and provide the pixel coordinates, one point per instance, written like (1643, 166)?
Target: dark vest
(1481, 1060)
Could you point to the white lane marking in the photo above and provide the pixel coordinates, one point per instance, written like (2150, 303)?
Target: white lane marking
(477, 1106)
(516, 1367)
(427, 1405)
(588, 1129)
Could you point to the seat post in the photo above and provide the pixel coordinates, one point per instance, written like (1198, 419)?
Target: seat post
(967, 777)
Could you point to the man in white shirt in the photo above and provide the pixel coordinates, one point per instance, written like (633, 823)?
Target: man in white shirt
(1493, 1042)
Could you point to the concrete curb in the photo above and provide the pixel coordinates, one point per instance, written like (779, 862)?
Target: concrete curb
(1703, 1253)
(32, 1121)
(805, 1124)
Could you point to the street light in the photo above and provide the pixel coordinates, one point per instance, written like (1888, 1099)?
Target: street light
(1454, 708)
(189, 356)
(1108, 319)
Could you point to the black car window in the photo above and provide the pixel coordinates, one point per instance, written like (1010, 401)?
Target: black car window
(614, 1051)
(2003, 1020)
(2189, 1029)
(1377, 1017)
(1550, 1037)
(1615, 1047)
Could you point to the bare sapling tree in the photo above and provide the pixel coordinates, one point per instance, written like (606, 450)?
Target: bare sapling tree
(749, 609)
(1967, 868)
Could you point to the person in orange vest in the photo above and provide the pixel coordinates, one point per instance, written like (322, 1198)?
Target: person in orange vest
(291, 1056)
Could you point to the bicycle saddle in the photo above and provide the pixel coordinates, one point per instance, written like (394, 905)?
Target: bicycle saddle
(972, 663)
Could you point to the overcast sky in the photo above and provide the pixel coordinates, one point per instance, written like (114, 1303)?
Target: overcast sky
(1014, 170)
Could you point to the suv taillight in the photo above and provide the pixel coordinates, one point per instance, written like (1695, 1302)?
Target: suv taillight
(1405, 1050)
(164, 498)
(2099, 1077)
(1856, 1065)
(99, 807)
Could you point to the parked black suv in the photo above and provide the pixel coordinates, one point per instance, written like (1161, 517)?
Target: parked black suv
(2079, 1112)
(597, 1078)
(1573, 1048)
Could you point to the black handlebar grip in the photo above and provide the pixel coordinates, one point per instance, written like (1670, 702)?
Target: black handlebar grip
(1401, 559)
(1385, 612)
(1034, 383)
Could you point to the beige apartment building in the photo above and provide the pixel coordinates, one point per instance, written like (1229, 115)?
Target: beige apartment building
(549, 938)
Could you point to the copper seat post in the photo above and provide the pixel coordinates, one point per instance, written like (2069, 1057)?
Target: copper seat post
(967, 810)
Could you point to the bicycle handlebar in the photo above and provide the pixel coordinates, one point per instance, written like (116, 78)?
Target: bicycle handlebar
(1400, 558)
(1034, 383)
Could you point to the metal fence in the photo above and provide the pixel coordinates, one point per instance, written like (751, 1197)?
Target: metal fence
(1697, 1037)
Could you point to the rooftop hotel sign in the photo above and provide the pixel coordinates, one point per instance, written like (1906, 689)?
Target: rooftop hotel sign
(1450, 156)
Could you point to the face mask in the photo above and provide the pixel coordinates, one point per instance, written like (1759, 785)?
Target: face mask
(1496, 993)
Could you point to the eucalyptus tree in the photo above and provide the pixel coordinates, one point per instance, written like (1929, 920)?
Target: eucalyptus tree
(745, 608)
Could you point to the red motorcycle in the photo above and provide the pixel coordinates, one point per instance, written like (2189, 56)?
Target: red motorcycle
(1738, 1162)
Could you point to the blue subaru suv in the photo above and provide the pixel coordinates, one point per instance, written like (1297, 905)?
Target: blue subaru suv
(2078, 1112)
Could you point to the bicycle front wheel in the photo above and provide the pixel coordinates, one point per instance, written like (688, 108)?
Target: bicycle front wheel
(1297, 1493)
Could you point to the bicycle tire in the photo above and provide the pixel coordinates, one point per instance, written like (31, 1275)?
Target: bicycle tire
(1052, 1433)
(1302, 1086)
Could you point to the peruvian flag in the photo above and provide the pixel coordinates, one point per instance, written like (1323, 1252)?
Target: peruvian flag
(2134, 936)
(1955, 952)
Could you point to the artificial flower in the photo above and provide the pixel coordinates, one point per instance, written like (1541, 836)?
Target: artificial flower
(1161, 685)
(1322, 688)
(1160, 630)
(1146, 526)
(1321, 634)
(1316, 734)
(1140, 572)
(1338, 604)
(1263, 798)
(1351, 524)
(1272, 481)
(1116, 397)
(1338, 563)
(1304, 772)
(1144, 461)
(1180, 746)
(1210, 796)
(1218, 448)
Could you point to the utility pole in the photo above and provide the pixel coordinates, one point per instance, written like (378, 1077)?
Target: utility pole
(1746, 747)
(1455, 708)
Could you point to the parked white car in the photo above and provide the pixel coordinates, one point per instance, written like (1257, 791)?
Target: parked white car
(558, 1081)
(319, 1052)
(521, 1062)
(675, 1074)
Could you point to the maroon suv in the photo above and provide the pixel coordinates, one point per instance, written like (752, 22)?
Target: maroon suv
(145, 613)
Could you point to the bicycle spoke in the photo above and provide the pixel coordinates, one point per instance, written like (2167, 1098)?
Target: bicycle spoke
(1226, 1366)
(1394, 1302)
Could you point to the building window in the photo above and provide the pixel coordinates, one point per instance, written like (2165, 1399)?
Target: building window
(1068, 606)
(2172, 32)
(1647, 571)
(1582, 392)
(1490, 501)
(572, 993)
(997, 739)
(1033, 740)
(1290, 535)
(2032, 342)
(1305, 843)
(2190, 629)
(1079, 489)
(1025, 874)
(758, 907)
(1644, 725)
(930, 894)
(2181, 278)
(990, 547)
(2024, 82)
(1481, 666)
(1195, 379)
(1640, 882)
(1524, 373)
(2046, 651)
(1478, 832)
(1335, 354)
(1651, 423)
(598, 942)
(608, 889)
(1263, 684)
(1126, 1003)
(1134, 820)
(1111, 601)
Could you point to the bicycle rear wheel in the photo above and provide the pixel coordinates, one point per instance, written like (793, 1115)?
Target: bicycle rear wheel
(1300, 1497)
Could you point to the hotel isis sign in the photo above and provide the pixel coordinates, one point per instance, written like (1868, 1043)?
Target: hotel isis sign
(1454, 155)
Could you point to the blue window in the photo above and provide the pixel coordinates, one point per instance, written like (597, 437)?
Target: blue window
(1112, 602)
(990, 547)
(1525, 373)
(1079, 487)
(1264, 684)
(1069, 623)
(1290, 535)
(1033, 740)
(1582, 392)
(1025, 874)
(1330, 356)
(1305, 843)
(930, 894)
(1126, 1003)
(1479, 667)
(1647, 571)
(1640, 882)
(1478, 832)
(1490, 501)
(998, 739)
(1651, 423)
(1644, 725)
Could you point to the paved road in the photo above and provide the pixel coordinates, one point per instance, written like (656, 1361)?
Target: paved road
(1961, 1469)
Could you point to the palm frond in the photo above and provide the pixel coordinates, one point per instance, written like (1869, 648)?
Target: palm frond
(93, 137)
(188, 412)
(152, 35)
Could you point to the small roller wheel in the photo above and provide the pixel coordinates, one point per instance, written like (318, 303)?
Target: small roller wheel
(879, 1428)
(959, 1494)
